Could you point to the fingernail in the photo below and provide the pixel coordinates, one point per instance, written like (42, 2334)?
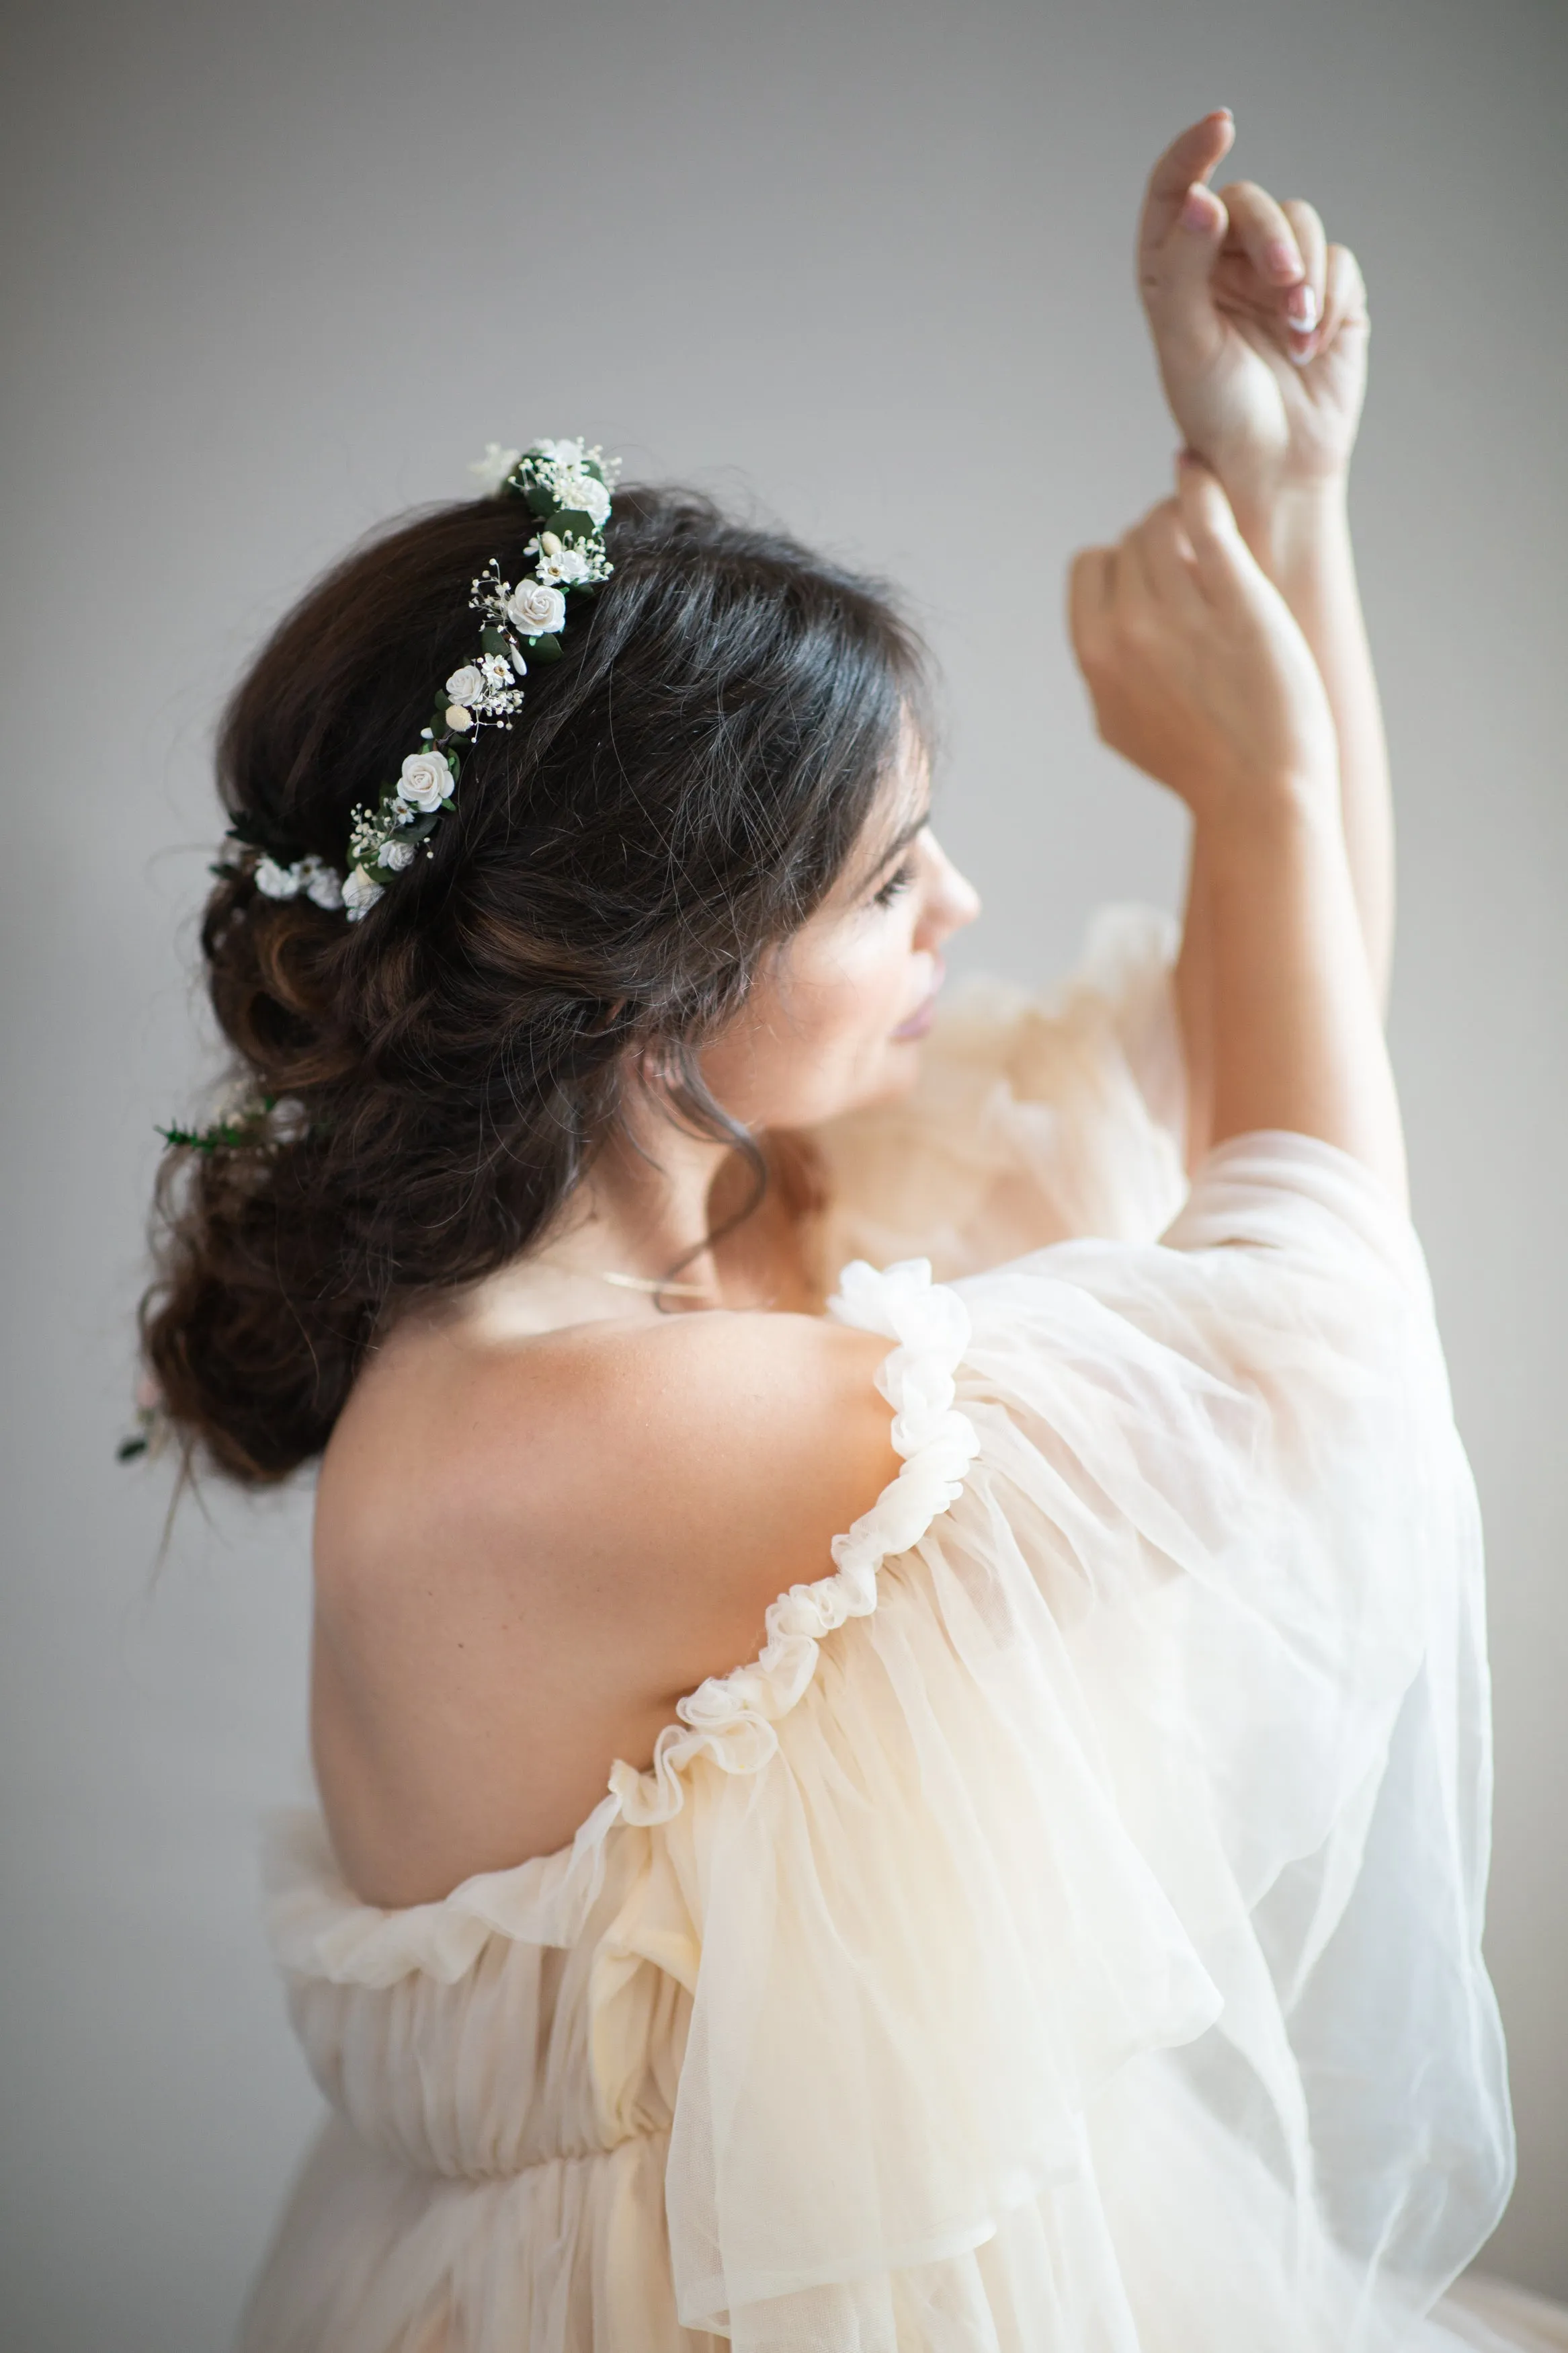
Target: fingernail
(1196, 209)
(1301, 308)
(1308, 351)
(1282, 258)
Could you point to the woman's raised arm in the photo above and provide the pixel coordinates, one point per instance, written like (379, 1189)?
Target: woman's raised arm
(1200, 675)
(1260, 329)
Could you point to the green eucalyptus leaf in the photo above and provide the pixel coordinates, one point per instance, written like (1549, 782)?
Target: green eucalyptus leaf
(571, 522)
(257, 833)
(544, 650)
(539, 498)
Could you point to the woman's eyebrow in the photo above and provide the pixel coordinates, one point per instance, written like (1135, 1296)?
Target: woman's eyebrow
(902, 842)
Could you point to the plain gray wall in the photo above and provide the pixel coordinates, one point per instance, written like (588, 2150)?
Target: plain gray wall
(275, 272)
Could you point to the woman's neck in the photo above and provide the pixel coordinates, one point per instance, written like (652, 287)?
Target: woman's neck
(647, 1208)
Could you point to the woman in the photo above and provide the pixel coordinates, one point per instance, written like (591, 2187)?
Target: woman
(1002, 1875)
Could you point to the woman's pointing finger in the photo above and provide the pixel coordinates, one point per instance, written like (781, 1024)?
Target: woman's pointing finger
(1190, 157)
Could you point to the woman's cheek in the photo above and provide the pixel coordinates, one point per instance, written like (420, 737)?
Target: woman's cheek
(865, 998)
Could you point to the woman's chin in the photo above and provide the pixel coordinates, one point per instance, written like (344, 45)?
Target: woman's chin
(900, 1070)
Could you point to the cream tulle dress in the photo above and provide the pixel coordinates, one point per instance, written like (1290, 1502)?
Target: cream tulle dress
(1065, 1937)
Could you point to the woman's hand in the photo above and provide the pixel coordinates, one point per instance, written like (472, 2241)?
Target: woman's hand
(1201, 675)
(1197, 671)
(1260, 328)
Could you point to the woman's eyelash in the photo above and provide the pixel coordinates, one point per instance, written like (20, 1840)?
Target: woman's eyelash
(894, 887)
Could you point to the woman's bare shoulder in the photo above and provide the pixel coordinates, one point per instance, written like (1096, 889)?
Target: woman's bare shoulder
(764, 1432)
(526, 1553)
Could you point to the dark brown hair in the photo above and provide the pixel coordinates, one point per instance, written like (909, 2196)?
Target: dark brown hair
(677, 794)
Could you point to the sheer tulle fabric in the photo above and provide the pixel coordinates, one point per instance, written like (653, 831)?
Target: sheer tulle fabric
(1066, 1934)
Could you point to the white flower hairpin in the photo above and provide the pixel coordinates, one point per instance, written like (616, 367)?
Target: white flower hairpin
(568, 488)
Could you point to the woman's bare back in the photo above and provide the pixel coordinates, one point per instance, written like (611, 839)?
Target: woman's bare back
(527, 1549)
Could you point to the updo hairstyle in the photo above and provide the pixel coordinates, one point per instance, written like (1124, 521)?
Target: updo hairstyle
(676, 797)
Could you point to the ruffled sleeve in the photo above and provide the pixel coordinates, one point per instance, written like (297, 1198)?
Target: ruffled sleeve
(1094, 1958)
(1035, 1118)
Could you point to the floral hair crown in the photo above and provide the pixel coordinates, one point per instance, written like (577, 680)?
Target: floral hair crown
(568, 488)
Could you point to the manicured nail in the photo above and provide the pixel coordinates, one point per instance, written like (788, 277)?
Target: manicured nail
(1301, 308)
(1307, 350)
(1198, 209)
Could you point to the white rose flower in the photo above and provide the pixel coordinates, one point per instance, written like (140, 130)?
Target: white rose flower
(558, 453)
(275, 881)
(424, 781)
(467, 684)
(361, 893)
(585, 494)
(395, 856)
(494, 467)
(322, 884)
(536, 609)
(567, 564)
(287, 1120)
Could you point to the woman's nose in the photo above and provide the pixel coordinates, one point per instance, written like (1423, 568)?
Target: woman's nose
(953, 899)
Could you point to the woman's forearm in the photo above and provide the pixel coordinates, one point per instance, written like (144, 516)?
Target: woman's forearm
(1296, 1032)
(1202, 676)
(1194, 1000)
(1304, 545)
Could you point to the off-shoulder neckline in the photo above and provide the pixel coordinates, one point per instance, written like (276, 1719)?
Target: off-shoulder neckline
(320, 1929)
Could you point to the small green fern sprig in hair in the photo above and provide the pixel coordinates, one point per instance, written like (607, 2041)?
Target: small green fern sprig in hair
(247, 1122)
(149, 1437)
(234, 1131)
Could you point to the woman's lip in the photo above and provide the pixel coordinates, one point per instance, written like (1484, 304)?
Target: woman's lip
(920, 1020)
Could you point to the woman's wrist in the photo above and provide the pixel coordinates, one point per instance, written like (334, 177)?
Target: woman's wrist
(1292, 527)
(1268, 816)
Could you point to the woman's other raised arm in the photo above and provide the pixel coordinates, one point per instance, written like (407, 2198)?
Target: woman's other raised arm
(1201, 676)
(1260, 329)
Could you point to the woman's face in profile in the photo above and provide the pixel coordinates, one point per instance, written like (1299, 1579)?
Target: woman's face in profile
(836, 1020)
